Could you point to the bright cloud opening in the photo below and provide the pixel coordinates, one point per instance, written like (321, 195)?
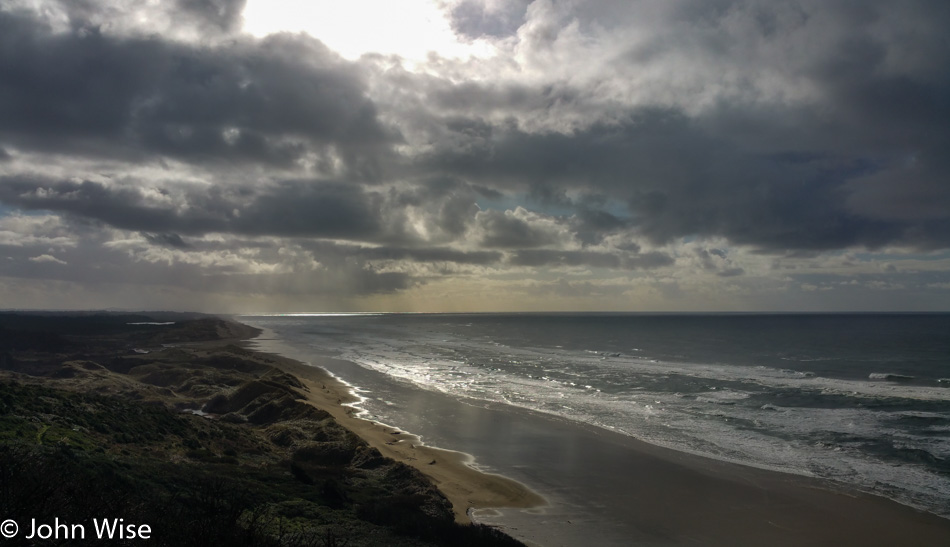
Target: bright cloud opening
(412, 29)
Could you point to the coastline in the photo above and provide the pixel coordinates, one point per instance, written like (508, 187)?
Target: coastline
(175, 425)
(467, 488)
(661, 496)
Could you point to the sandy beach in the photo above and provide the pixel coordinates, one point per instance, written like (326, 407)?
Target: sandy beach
(466, 487)
(244, 447)
(477, 273)
(574, 483)
(277, 411)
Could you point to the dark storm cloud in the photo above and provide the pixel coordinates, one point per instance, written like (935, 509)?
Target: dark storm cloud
(293, 208)
(205, 15)
(487, 97)
(731, 272)
(95, 265)
(124, 208)
(507, 231)
(450, 203)
(167, 240)
(431, 254)
(589, 222)
(718, 261)
(860, 162)
(594, 259)
(224, 15)
(474, 19)
(678, 178)
(271, 100)
(592, 225)
(343, 281)
(315, 210)
(335, 251)
(371, 282)
(486, 192)
(791, 127)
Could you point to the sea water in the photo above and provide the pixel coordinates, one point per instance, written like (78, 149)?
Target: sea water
(862, 399)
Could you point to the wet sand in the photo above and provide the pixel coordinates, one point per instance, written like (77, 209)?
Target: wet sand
(600, 487)
(466, 487)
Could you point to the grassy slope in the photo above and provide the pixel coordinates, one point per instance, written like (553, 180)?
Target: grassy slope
(91, 429)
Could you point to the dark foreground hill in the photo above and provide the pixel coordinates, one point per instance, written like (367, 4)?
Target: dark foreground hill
(107, 416)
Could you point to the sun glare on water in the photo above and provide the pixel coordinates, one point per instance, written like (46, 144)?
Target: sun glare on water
(408, 28)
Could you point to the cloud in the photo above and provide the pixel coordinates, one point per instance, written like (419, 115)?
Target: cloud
(183, 20)
(496, 18)
(679, 177)
(277, 101)
(318, 210)
(167, 240)
(47, 258)
(911, 191)
(717, 261)
(594, 259)
(224, 15)
(517, 229)
(290, 208)
(40, 231)
(687, 144)
(431, 254)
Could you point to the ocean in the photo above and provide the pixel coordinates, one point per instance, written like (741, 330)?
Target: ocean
(860, 399)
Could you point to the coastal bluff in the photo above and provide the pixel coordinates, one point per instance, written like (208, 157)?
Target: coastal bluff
(165, 421)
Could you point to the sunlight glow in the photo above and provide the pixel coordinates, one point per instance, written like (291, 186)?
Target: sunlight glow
(408, 28)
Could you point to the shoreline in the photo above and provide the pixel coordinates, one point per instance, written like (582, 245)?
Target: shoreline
(467, 488)
(179, 426)
(666, 496)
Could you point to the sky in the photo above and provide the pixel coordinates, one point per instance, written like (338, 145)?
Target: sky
(475, 155)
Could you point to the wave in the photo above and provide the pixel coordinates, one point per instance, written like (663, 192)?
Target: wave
(769, 417)
(889, 376)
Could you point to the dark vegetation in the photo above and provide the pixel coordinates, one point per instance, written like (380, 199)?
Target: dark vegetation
(91, 429)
